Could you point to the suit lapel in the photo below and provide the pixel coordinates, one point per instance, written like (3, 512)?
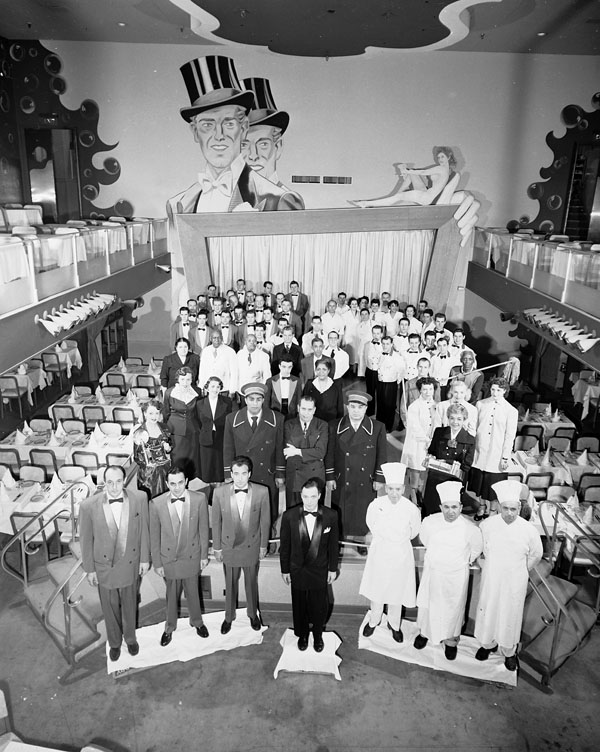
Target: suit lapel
(110, 520)
(184, 527)
(277, 388)
(315, 541)
(121, 543)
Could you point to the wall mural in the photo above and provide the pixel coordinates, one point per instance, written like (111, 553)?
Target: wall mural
(30, 90)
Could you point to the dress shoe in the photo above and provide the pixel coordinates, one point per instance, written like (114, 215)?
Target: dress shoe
(302, 643)
(484, 653)
(420, 642)
(396, 634)
(450, 652)
(318, 644)
(166, 638)
(202, 631)
(225, 627)
(362, 550)
(511, 662)
(255, 623)
(133, 648)
(114, 654)
(368, 630)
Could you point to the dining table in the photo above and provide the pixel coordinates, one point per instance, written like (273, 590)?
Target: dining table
(51, 251)
(68, 354)
(108, 406)
(131, 372)
(30, 376)
(24, 217)
(563, 465)
(13, 259)
(549, 422)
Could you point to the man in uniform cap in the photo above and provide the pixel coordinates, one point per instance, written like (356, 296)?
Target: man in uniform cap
(389, 575)
(452, 544)
(356, 450)
(511, 547)
(257, 432)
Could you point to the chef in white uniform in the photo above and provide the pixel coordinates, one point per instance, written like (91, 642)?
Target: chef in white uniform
(452, 544)
(389, 574)
(511, 548)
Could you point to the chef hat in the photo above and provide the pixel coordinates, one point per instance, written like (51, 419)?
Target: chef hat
(449, 490)
(393, 472)
(507, 490)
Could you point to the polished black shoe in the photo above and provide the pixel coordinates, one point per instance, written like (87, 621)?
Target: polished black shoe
(202, 631)
(450, 651)
(166, 638)
(302, 643)
(420, 642)
(362, 550)
(134, 648)
(484, 653)
(114, 654)
(255, 623)
(396, 634)
(511, 662)
(368, 630)
(225, 627)
(318, 644)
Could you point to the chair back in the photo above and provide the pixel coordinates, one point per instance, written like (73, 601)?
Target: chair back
(525, 443)
(539, 483)
(117, 458)
(591, 494)
(110, 428)
(11, 458)
(111, 391)
(587, 480)
(52, 362)
(46, 458)
(125, 417)
(40, 424)
(92, 414)
(147, 381)
(36, 473)
(83, 390)
(537, 431)
(559, 493)
(62, 412)
(67, 473)
(117, 379)
(141, 392)
(591, 443)
(87, 460)
(565, 431)
(559, 443)
(134, 360)
(515, 476)
(9, 387)
(74, 425)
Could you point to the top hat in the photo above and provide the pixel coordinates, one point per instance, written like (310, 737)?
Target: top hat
(211, 82)
(265, 110)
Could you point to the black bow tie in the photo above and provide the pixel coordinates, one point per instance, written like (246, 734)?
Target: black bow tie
(116, 501)
(241, 490)
(386, 353)
(285, 378)
(442, 356)
(201, 328)
(375, 342)
(306, 514)
(177, 498)
(224, 327)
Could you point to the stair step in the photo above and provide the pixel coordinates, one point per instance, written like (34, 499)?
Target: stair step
(537, 653)
(563, 590)
(88, 601)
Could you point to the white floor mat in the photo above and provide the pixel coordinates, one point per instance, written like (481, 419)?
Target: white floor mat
(432, 656)
(307, 661)
(186, 644)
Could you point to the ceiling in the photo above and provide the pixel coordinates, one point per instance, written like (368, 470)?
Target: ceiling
(317, 28)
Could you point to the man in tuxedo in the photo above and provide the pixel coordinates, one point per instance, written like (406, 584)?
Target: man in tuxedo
(334, 353)
(299, 301)
(287, 347)
(203, 331)
(179, 545)
(309, 559)
(115, 552)
(292, 318)
(240, 527)
(284, 390)
(305, 439)
(268, 294)
(256, 432)
(183, 327)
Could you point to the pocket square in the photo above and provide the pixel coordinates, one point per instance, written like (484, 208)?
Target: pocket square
(327, 529)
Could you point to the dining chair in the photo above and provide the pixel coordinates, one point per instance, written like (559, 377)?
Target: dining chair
(148, 382)
(125, 417)
(134, 360)
(539, 483)
(524, 443)
(83, 390)
(12, 459)
(537, 431)
(35, 473)
(589, 442)
(111, 391)
(559, 493)
(87, 460)
(591, 494)
(117, 379)
(11, 390)
(586, 480)
(47, 459)
(141, 392)
(74, 425)
(110, 428)
(68, 473)
(515, 476)
(39, 425)
(565, 431)
(559, 443)
(57, 366)
(117, 458)
(62, 412)
(92, 414)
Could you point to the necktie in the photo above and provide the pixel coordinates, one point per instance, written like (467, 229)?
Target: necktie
(116, 501)
(249, 358)
(287, 348)
(307, 514)
(177, 498)
(254, 423)
(223, 183)
(241, 490)
(304, 428)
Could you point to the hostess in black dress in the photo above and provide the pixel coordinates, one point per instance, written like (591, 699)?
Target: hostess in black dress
(212, 431)
(461, 450)
(181, 419)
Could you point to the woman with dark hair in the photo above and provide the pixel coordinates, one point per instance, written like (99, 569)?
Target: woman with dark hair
(152, 450)
(212, 411)
(176, 360)
(451, 443)
(180, 415)
(326, 392)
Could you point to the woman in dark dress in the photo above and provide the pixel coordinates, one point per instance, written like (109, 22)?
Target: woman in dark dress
(212, 411)
(176, 360)
(326, 392)
(152, 450)
(451, 443)
(180, 415)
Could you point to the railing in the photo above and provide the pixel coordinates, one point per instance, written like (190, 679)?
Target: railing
(37, 267)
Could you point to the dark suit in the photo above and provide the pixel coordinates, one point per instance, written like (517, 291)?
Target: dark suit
(177, 331)
(172, 363)
(312, 462)
(264, 447)
(240, 540)
(273, 396)
(302, 305)
(202, 339)
(114, 554)
(210, 438)
(308, 561)
(178, 546)
(295, 322)
(354, 461)
(295, 352)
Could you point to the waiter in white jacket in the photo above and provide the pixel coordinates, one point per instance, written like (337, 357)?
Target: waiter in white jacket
(389, 574)
(452, 544)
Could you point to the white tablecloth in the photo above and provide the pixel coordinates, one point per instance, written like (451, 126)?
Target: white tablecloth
(111, 403)
(24, 217)
(131, 374)
(50, 251)
(547, 424)
(521, 462)
(13, 260)
(591, 393)
(64, 448)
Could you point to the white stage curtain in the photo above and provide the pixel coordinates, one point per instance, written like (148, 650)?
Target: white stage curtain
(358, 263)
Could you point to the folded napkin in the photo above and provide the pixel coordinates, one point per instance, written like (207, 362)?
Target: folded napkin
(98, 434)
(131, 396)
(57, 349)
(556, 417)
(56, 486)
(92, 443)
(526, 416)
(547, 459)
(60, 432)
(4, 497)
(588, 517)
(572, 504)
(122, 365)
(586, 344)
(152, 364)
(22, 369)
(100, 396)
(72, 399)
(52, 440)
(26, 430)
(548, 411)
(583, 458)
(8, 480)
(64, 346)
(20, 438)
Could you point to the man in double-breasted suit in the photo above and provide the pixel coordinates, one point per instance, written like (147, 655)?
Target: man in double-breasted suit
(356, 450)
(284, 391)
(309, 559)
(179, 545)
(241, 522)
(305, 439)
(115, 552)
(257, 432)
(299, 301)
(287, 347)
